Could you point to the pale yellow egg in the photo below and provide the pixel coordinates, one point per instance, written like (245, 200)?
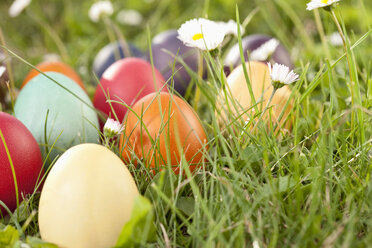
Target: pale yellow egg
(87, 198)
(236, 98)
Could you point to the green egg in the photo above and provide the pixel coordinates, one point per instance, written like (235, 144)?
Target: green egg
(55, 115)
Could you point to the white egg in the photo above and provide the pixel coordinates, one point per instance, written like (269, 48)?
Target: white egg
(87, 198)
(239, 101)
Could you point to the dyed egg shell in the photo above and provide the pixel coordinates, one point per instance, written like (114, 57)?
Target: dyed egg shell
(126, 80)
(109, 55)
(87, 198)
(68, 116)
(26, 157)
(166, 42)
(175, 127)
(54, 67)
(238, 91)
(252, 42)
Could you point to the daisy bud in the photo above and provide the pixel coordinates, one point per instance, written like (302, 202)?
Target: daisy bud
(335, 39)
(129, 17)
(112, 128)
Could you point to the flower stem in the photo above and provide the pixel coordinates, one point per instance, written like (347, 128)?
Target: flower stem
(343, 40)
(200, 74)
(321, 33)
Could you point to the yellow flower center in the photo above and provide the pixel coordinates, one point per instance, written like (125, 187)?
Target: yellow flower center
(197, 36)
(325, 1)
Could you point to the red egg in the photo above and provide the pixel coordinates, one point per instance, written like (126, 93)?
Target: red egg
(127, 80)
(26, 157)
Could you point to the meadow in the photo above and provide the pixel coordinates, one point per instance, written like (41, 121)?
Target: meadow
(260, 185)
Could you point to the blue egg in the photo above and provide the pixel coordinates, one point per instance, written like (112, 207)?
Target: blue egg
(53, 114)
(109, 55)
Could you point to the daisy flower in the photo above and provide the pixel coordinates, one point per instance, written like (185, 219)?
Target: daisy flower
(112, 128)
(201, 33)
(335, 39)
(231, 27)
(100, 8)
(17, 7)
(265, 51)
(129, 17)
(315, 4)
(281, 75)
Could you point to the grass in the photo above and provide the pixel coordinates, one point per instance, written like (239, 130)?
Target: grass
(306, 188)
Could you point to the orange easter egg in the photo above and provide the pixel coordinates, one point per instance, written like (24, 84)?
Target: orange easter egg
(170, 128)
(54, 66)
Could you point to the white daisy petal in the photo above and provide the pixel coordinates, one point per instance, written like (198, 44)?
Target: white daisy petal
(201, 33)
(17, 7)
(231, 27)
(281, 75)
(100, 8)
(112, 128)
(265, 51)
(314, 4)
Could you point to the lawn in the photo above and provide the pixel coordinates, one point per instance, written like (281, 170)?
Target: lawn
(301, 182)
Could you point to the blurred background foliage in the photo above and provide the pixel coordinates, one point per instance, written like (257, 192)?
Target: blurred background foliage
(31, 33)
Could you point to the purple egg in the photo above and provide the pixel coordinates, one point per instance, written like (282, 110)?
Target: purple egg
(107, 56)
(252, 42)
(163, 61)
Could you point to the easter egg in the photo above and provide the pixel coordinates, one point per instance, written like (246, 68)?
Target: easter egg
(165, 43)
(110, 54)
(239, 102)
(26, 159)
(56, 114)
(251, 43)
(126, 80)
(54, 66)
(87, 198)
(160, 129)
